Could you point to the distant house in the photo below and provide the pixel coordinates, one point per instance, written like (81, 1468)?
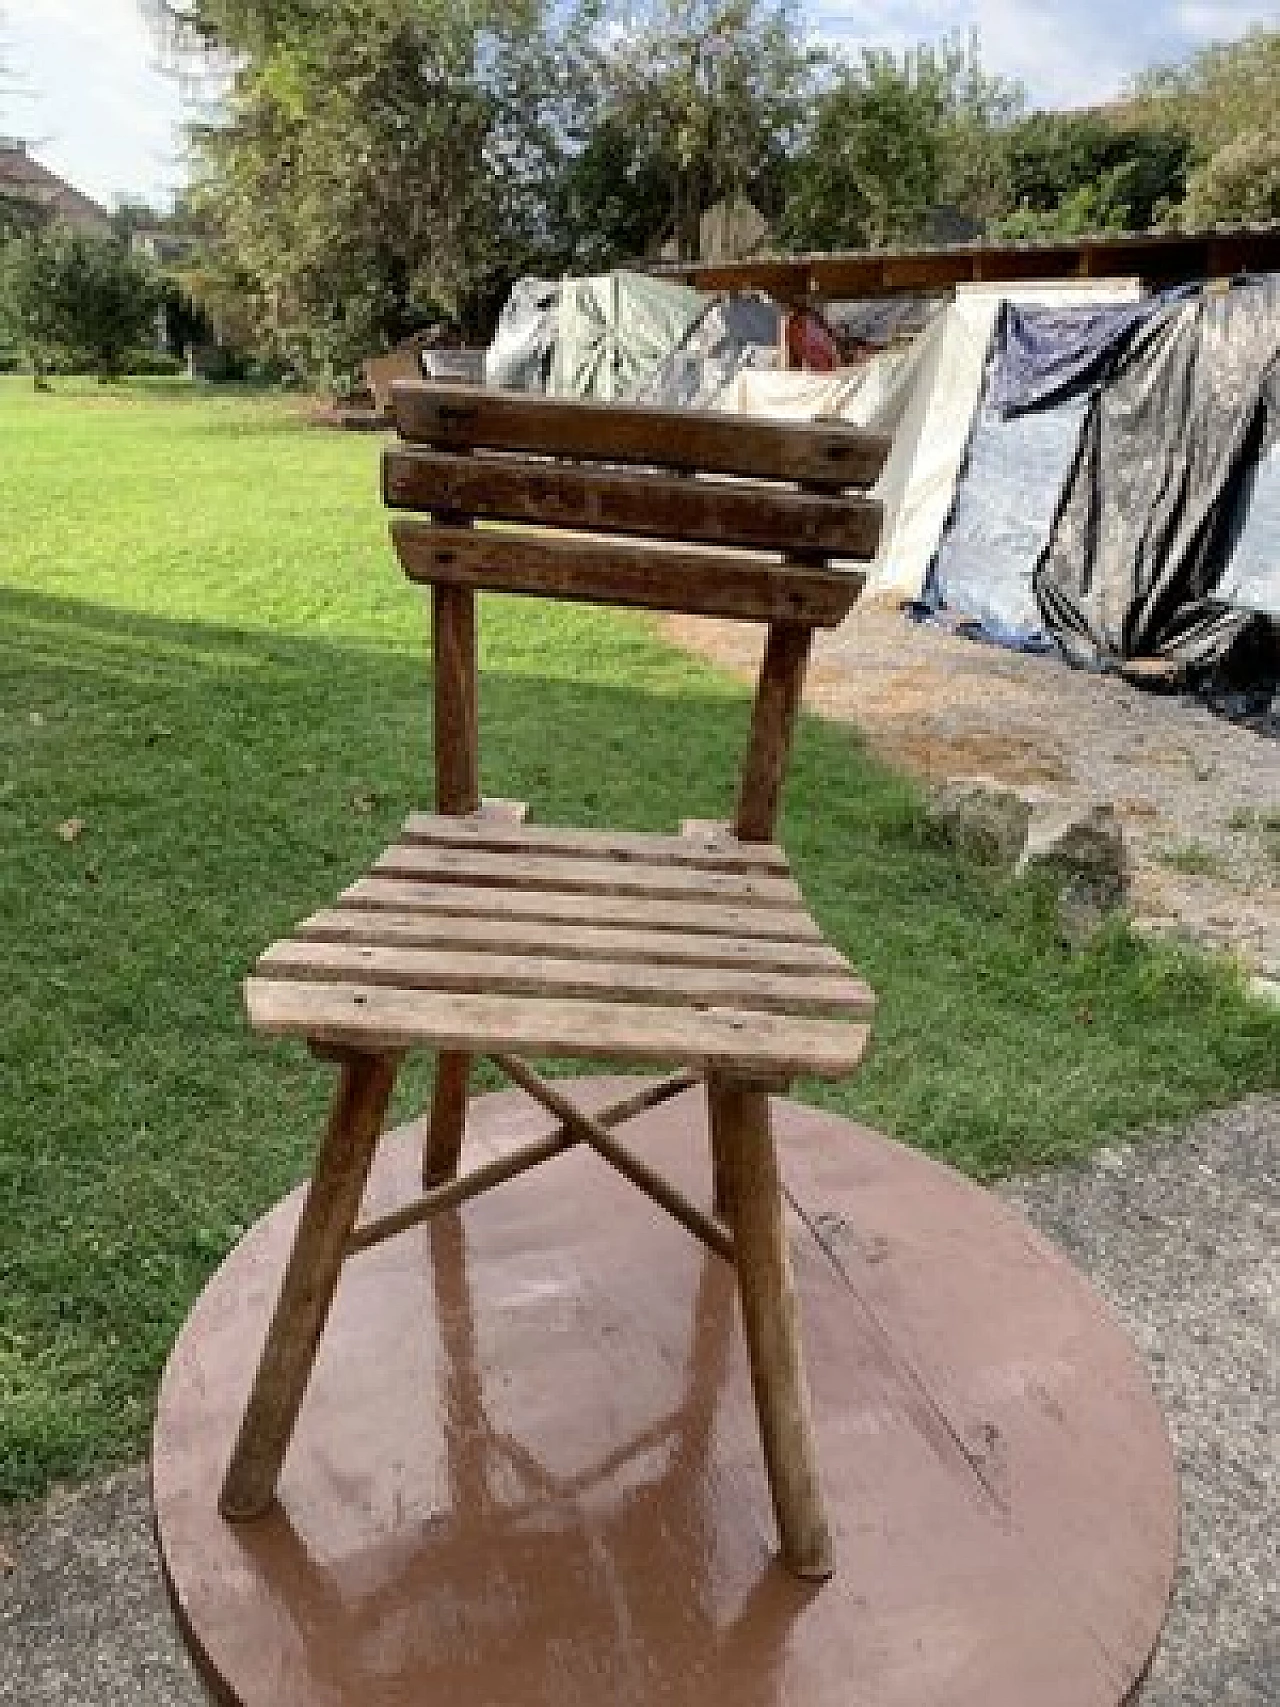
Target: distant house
(23, 179)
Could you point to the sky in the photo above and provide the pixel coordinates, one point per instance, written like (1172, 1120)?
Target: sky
(85, 89)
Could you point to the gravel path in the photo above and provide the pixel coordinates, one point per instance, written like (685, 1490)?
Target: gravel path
(1181, 1233)
(1199, 798)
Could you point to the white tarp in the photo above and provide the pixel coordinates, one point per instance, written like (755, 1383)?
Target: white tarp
(926, 399)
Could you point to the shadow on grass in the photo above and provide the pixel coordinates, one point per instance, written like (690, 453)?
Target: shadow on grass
(230, 780)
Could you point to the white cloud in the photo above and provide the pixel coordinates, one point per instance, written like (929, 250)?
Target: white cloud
(1069, 54)
(90, 98)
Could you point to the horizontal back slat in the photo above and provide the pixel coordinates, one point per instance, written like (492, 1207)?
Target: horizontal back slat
(829, 457)
(601, 571)
(606, 500)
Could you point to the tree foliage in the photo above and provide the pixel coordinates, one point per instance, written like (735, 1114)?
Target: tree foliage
(711, 97)
(379, 163)
(896, 138)
(1226, 98)
(77, 301)
(1069, 173)
(382, 164)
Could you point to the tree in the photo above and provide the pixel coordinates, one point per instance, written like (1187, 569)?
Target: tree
(1239, 181)
(77, 300)
(1069, 173)
(896, 138)
(1226, 98)
(381, 163)
(712, 96)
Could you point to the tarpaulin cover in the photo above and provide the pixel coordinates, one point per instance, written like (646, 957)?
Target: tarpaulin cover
(1043, 363)
(616, 330)
(1046, 355)
(1137, 562)
(519, 358)
(931, 427)
(733, 334)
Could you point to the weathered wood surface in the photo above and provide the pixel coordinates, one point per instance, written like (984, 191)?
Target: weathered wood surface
(740, 1043)
(388, 894)
(715, 848)
(592, 1131)
(747, 1175)
(778, 695)
(537, 974)
(612, 501)
(594, 570)
(455, 418)
(567, 941)
(311, 1278)
(369, 1234)
(457, 735)
(457, 762)
(584, 876)
(657, 881)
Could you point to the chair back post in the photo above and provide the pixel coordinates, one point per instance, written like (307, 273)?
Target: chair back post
(456, 689)
(596, 503)
(778, 694)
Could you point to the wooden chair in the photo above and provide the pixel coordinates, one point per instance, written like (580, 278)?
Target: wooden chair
(478, 934)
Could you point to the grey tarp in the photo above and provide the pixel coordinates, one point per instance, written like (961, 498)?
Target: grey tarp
(734, 334)
(1043, 364)
(519, 358)
(1137, 564)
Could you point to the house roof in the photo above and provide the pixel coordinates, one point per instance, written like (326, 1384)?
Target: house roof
(25, 179)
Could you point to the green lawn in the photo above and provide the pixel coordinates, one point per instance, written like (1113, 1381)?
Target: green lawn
(208, 655)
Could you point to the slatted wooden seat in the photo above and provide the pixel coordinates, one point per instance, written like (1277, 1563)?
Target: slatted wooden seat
(478, 934)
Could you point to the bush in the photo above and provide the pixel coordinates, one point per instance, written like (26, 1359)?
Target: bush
(77, 302)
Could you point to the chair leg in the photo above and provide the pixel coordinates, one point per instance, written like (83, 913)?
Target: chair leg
(310, 1281)
(770, 1315)
(442, 1150)
(719, 1141)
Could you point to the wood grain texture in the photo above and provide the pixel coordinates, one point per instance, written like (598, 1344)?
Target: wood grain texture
(458, 418)
(700, 582)
(510, 1166)
(740, 1043)
(584, 876)
(611, 501)
(537, 974)
(747, 1171)
(567, 941)
(333, 1201)
(714, 849)
(473, 901)
(778, 695)
(457, 735)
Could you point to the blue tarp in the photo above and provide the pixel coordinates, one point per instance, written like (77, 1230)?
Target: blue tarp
(1043, 366)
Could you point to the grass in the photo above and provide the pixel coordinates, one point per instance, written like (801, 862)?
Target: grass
(1192, 859)
(208, 657)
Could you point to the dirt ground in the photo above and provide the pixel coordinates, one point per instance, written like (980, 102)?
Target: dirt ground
(1199, 797)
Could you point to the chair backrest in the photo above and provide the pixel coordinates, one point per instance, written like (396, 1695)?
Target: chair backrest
(707, 514)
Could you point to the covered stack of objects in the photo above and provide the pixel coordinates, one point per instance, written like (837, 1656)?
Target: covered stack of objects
(626, 337)
(1076, 467)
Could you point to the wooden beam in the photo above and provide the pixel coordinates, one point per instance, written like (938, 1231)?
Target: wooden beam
(310, 1280)
(700, 582)
(459, 418)
(631, 1167)
(748, 1175)
(510, 1166)
(756, 1046)
(612, 501)
(778, 695)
